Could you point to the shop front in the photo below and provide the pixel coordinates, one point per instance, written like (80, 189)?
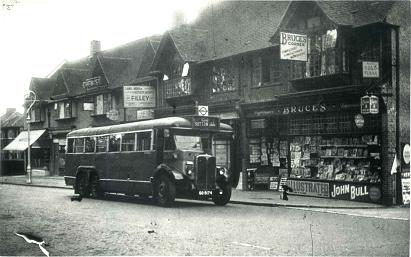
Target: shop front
(318, 145)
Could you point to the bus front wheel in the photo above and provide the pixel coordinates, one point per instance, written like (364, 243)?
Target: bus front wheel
(165, 191)
(222, 197)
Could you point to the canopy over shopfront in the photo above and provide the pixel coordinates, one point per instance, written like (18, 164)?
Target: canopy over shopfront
(20, 143)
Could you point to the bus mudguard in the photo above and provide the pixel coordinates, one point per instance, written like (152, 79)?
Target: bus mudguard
(172, 173)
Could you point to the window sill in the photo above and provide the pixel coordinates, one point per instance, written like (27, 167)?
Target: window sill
(63, 119)
(35, 121)
(224, 92)
(98, 115)
(267, 84)
(320, 77)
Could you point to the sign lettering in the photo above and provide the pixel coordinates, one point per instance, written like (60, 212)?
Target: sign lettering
(139, 96)
(293, 46)
(205, 122)
(370, 70)
(320, 189)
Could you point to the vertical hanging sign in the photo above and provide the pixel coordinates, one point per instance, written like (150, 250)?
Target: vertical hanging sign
(293, 46)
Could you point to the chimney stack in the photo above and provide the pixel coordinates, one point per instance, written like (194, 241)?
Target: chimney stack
(10, 110)
(95, 47)
(178, 18)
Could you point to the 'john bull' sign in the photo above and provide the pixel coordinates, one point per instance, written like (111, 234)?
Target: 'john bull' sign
(355, 192)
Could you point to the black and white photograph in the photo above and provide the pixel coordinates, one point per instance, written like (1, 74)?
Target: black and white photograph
(205, 128)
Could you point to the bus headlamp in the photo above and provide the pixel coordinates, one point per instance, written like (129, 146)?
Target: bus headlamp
(189, 166)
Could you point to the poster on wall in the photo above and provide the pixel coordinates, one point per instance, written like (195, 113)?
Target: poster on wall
(139, 96)
(293, 46)
(405, 173)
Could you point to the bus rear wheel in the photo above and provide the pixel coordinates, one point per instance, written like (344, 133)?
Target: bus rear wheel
(222, 197)
(82, 185)
(95, 191)
(165, 191)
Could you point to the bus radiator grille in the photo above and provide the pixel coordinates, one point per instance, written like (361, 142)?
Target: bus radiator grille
(205, 178)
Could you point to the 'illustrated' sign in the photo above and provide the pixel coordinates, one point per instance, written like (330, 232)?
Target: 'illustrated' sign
(293, 46)
(139, 96)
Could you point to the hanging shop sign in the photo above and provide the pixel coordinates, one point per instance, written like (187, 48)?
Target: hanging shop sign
(293, 46)
(146, 114)
(139, 96)
(310, 188)
(355, 191)
(370, 70)
(359, 121)
(202, 110)
(93, 83)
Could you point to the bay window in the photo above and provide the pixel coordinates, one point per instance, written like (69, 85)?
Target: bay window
(223, 78)
(325, 56)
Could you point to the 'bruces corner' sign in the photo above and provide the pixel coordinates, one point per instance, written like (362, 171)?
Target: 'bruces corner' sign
(293, 46)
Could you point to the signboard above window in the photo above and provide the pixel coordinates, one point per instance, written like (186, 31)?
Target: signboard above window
(139, 96)
(93, 83)
(293, 46)
(370, 70)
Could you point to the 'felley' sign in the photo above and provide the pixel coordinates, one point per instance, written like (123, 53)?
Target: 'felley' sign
(293, 46)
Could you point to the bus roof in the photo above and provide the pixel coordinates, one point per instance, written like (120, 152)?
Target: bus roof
(170, 122)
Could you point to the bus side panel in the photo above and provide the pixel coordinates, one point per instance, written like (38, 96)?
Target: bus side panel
(138, 167)
(108, 165)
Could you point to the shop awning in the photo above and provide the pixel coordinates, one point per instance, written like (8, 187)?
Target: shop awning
(20, 143)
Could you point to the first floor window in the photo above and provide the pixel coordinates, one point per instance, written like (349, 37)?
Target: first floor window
(63, 109)
(104, 103)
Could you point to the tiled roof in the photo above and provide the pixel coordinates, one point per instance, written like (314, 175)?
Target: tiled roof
(43, 87)
(191, 43)
(356, 13)
(240, 26)
(228, 28)
(14, 119)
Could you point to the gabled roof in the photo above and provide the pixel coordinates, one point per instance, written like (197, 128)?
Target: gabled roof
(14, 119)
(226, 29)
(43, 87)
(191, 43)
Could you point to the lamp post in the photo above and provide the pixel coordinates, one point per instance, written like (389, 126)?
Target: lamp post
(30, 96)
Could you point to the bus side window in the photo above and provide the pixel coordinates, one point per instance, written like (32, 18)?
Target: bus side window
(114, 143)
(79, 145)
(128, 141)
(143, 141)
(101, 145)
(70, 145)
(90, 143)
(169, 143)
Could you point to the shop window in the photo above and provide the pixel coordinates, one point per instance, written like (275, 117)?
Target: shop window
(223, 78)
(114, 143)
(79, 145)
(63, 110)
(128, 141)
(103, 103)
(143, 141)
(324, 56)
(90, 143)
(101, 144)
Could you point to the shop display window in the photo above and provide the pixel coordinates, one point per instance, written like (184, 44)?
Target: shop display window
(345, 158)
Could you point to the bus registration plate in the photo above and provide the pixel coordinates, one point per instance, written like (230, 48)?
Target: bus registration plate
(205, 192)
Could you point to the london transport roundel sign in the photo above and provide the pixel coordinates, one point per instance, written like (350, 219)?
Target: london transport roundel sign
(202, 110)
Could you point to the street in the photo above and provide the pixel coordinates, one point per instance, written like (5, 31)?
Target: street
(120, 225)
